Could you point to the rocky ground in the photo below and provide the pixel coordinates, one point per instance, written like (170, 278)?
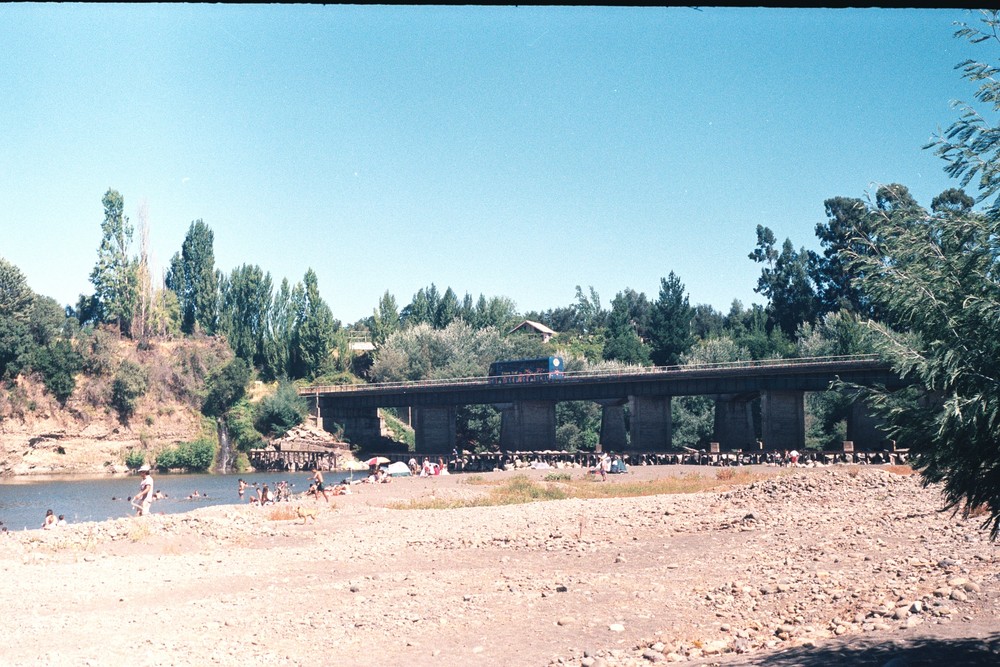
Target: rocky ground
(805, 567)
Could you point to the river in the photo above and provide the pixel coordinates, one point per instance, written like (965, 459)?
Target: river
(23, 501)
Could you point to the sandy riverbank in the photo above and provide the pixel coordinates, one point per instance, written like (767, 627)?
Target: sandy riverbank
(819, 566)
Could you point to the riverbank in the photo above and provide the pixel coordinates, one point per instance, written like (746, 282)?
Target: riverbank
(801, 565)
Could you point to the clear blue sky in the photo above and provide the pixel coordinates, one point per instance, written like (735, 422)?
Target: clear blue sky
(515, 151)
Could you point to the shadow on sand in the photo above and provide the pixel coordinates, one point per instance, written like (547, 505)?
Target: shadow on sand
(918, 652)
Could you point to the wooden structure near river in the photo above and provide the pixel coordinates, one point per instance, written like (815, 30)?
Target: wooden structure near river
(301, 448)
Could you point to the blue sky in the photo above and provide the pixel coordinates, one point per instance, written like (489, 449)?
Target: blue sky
(514, 151)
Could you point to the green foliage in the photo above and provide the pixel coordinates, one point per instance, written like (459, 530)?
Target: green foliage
(971, 144)
(195, 456)
(246, 305)
(477, 427)
(114, 276)
(786, 280)
(400, 431)
(385, 319)
(240, 424)
(282, 410)
(934, 276)
(15, 346)
(128, 387)
(313, 339)
(578, 425)
(58, 364)
(424, 353)
(135, 459)
(193, 279)
(15, 295)
(226, 386)
(670, 323)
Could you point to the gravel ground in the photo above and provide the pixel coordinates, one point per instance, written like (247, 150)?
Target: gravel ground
(802, 567)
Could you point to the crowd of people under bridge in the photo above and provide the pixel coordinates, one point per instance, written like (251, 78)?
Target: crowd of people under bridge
(486, 462)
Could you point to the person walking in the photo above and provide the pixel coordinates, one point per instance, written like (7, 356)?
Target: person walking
(144, 498)
(318, 481)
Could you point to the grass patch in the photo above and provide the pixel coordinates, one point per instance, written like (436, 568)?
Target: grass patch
(900, 470)
(520, 489)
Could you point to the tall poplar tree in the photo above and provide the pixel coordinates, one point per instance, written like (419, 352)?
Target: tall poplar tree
(193, 278)
(114, 276)
(314, 336)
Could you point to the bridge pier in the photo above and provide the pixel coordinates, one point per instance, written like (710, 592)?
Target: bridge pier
(613, 435)
(651, 427)
(434, 429)
(863, 428)
(734, 427)
(783, 420)
(362, 426)
(527, 425)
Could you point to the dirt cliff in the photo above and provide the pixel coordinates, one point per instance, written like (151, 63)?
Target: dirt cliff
(39, 436)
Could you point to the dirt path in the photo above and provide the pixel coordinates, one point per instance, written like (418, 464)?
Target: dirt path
(808, 567)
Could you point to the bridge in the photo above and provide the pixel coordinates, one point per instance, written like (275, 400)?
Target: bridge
(528, 409)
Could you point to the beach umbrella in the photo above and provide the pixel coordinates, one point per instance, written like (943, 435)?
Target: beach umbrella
(355, 465)
(376, 460)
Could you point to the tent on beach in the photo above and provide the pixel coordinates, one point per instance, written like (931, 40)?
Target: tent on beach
(398, 469)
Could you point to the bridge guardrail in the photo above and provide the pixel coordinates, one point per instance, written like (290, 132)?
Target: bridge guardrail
(630, 371)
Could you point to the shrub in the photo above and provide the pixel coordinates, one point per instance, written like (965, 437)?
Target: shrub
(195, 456)
(226, 387)
(242, 432)
(134, 459)
(129, 385)
(281, 411)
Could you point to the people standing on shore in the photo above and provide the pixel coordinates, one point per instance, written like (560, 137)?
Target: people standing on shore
(318, 481)
(144, 498)
(241, 488)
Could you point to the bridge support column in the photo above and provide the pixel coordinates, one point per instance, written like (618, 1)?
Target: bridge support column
(863, 428)
(528, 426)
(613, 437)
(434, 429)
(362, 426)
(783, 421)
(734, 421)
(651, 427)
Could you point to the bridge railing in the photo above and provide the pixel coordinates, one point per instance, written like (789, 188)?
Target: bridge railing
(622, 372)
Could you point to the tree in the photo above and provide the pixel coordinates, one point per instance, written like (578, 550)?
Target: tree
(114, 276)
(422, 309)
(447, 309)
(16, 297)
(192, 277)
(786, 281)
(281, 411)
(129, 385)
(622, 341)
(313, 339)
(246, 305)
(385, 319)
(226, 387)
(281, 328)
(589, 314)
(670, 323)
(58, 364)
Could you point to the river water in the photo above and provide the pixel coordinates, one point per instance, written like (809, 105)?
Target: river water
(23, 501)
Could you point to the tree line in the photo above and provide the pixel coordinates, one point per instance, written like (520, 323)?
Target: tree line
(917, 285)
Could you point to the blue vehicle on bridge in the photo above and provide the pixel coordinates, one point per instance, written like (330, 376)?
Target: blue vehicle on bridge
(517, 371)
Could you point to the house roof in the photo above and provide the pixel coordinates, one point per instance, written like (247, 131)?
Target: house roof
(537, 326)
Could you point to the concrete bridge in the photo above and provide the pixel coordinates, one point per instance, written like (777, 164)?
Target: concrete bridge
(528, 410)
